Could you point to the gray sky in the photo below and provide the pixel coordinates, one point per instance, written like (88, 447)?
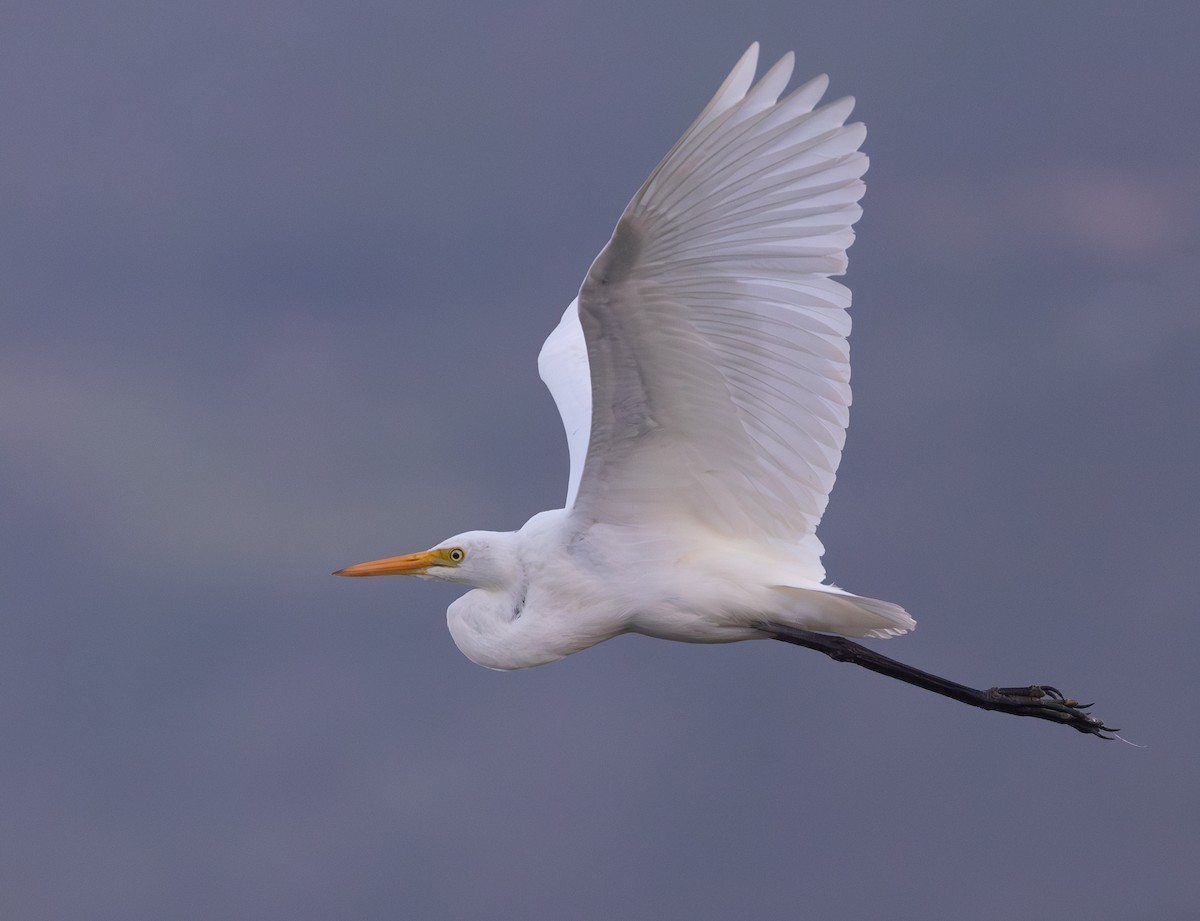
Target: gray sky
(275, 278)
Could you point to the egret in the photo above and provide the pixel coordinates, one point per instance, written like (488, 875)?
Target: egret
(702, 375)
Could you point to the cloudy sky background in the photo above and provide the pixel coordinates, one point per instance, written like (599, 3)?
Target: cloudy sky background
(275, 276)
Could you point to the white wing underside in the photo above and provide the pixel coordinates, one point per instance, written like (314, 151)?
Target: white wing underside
(703, 372)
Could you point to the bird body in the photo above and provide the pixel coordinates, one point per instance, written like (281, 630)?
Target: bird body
(553, 588)
(702, 376)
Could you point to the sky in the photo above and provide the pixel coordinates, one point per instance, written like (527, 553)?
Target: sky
(275, 276)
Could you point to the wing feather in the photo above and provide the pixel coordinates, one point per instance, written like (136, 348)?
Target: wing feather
(708, 337)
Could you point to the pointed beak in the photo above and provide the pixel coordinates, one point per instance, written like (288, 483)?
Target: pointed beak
(414, 564)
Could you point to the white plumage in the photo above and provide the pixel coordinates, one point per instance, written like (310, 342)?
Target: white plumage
(702, 375)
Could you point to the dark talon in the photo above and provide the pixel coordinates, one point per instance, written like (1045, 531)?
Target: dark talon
(1052, 704)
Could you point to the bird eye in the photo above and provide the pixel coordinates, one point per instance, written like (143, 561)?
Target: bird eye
(457, 554)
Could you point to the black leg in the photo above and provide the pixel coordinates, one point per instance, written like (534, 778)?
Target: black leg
(1041, 701)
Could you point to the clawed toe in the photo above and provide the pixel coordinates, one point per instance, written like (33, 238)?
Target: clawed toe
(1048, 703)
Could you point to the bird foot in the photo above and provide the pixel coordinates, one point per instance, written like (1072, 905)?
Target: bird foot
(1048, 703)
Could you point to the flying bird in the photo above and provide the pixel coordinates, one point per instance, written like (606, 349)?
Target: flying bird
(702, 376)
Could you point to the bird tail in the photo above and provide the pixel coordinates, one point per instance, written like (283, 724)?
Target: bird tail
(831, 610)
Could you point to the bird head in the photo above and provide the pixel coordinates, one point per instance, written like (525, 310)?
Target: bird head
(477, 558)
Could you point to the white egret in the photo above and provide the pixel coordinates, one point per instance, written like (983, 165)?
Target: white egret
(702, 375)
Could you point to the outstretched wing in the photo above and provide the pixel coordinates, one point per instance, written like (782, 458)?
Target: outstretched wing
(715, 340)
